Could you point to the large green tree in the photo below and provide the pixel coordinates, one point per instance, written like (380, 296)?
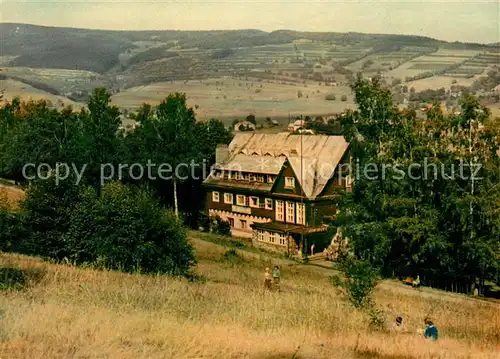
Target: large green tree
(415, 208)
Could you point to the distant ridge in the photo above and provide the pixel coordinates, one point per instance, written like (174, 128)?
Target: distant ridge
(8, 25)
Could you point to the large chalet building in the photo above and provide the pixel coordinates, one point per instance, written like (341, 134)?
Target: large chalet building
(278, 189)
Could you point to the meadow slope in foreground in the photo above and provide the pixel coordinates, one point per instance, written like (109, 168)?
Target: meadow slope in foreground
(68, 312)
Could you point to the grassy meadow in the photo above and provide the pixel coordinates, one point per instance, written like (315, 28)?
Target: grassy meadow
(236, 98)
(68, 312)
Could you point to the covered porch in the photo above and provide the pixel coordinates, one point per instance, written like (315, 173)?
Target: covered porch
(290, 238)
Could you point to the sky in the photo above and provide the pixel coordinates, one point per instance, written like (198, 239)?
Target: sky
(458, 20)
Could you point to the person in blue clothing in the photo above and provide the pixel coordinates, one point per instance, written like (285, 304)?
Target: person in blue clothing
(430, 331)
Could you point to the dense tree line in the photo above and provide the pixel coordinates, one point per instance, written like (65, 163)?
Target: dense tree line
(409, 214)
(85, 208)
(444, 229)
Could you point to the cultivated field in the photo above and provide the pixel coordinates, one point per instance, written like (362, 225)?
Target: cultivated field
(437, 82)
(26, 92)
(235, 98)
(82, 313)
(61, 80)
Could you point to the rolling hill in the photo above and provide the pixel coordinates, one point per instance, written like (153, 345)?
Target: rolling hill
(69, 62)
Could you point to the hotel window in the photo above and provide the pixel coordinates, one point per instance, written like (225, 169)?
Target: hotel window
(231, 222)
(272, 237)
(253, 178)
(282, 239)
(243, 224)
(228, 198)
(301, 212)
(215, 196)
(260, 235)
(240, 200)
(280, 211)
(240, 176)
(254, 202)
(289, 182)
(260, 178)
(290, 212)
(269, 203)
(270, 179)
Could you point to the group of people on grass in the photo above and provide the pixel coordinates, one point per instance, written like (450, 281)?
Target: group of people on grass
(430, 331)
(272, 281)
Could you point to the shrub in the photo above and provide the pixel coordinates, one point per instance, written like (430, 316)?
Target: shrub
(126, 229)
(343, 98)
(46, 213)
(361, 278)
(219, 226)
(330, 97)
(299, 94)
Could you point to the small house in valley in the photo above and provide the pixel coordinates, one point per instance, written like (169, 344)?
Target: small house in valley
(279, 189)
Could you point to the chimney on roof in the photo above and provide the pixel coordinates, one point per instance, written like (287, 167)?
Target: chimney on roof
(221, 153)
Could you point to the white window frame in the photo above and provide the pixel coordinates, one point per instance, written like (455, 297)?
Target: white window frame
(240, 200)
(252, 198)
(289, 182)
(290, 212)
(282, 239)
(300, 213)
(243, 221)
(268, 203)
(215, 196)
(280, 210)
(228, 198)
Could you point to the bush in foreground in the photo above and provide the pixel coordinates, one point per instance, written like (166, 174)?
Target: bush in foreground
(126, 229)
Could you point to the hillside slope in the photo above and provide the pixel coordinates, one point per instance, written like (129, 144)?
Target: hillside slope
(68, 312)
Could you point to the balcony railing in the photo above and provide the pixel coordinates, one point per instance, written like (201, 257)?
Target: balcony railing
(241, 209)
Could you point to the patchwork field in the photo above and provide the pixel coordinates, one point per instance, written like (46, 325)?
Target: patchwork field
(60, 80)
(233, 97)
(66, 312)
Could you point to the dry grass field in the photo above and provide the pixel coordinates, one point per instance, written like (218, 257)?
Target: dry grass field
(232, 97)
(26, 92)
(10, 196)
(437, 82)
(66, 312)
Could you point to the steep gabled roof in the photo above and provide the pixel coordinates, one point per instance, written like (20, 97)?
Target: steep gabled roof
(312, 158)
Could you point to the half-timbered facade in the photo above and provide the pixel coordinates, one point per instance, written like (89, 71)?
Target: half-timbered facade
(277, 188)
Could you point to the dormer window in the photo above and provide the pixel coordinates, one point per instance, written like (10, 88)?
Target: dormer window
(254, 202)
(289, 182)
